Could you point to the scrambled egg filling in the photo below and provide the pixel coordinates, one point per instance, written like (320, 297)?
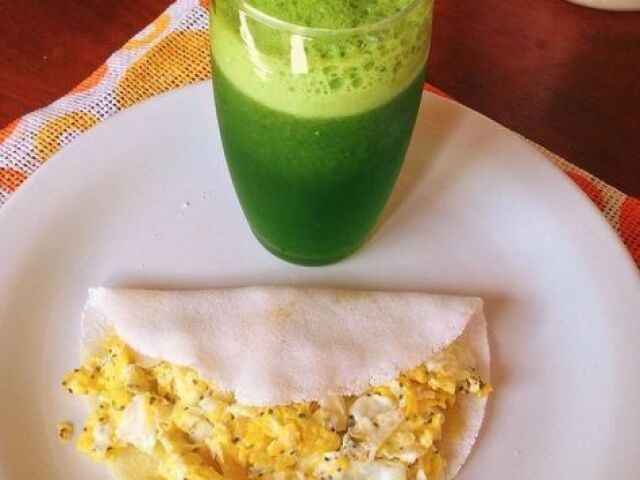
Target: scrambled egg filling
(197, 432)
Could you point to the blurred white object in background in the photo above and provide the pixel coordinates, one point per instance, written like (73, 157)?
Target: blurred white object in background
(620, 5)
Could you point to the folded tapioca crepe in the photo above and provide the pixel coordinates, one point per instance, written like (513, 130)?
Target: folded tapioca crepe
(282, 383)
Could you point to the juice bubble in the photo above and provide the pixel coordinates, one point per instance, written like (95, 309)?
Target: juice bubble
(335, 83)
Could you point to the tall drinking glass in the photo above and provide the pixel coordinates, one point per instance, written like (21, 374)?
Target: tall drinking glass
(316, 102)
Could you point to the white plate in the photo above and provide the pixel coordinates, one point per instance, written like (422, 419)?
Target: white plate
(622, 5)
(144, 200)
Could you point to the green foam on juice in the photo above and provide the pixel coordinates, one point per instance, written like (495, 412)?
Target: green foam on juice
(327, 72)
(331, 14)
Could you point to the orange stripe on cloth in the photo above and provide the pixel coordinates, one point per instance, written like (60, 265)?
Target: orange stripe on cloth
(181, 58)
(92, 80)
(49, 138)
(11, 179)
(588, 187)
(630, 226)
(156, 29)
(8, 130)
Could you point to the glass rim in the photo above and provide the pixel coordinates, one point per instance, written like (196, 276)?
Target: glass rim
(269, 20)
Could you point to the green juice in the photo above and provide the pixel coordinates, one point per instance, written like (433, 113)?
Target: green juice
(314, 155)
(313, 191)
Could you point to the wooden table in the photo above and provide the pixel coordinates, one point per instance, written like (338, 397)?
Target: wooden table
(564, 76)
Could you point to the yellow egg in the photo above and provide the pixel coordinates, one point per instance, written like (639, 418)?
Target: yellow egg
(190, 429)
(418, 374)
(443, 382)
(426, 438)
